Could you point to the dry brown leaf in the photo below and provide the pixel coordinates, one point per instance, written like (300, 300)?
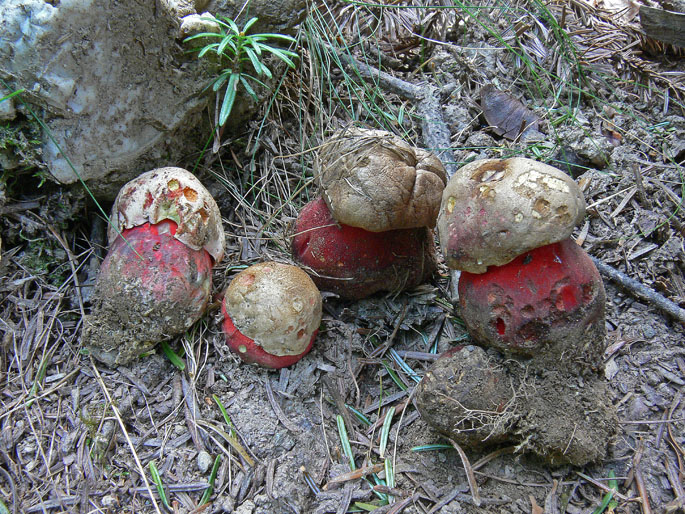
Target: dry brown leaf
(507, 116)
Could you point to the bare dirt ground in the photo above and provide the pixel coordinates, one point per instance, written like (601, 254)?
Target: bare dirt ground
(79, 437)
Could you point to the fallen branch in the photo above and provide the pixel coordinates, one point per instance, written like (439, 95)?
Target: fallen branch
(640, 290)
(436, 134)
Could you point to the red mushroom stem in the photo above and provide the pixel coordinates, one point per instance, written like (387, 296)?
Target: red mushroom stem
(355, 263)
(547, 304)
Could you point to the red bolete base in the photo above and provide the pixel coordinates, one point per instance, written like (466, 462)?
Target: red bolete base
(547, 304)
(150, 287)
(355, 263)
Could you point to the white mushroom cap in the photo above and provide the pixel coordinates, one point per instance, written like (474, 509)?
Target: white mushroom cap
(374, 180)
(494, 210)
(276, 305)
(174, 194)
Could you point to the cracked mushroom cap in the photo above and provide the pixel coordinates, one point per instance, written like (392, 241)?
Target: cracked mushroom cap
(496, 209)
(374, 180)
(272, 313)
(174, 194)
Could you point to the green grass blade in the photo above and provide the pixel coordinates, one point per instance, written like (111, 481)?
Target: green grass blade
(208, 48)
(172, 356)
(432, 447)
(229, 98)
(345, 442)
(389, 474)
(254, 60)
(608, 497)
(385, 431)
(407, 369)
(395, 377)
(249, 24)
(13, 93)
(360, 416)
(158, 482)
(212, 478)
(248, 88)
(227, 418)
(233, 26)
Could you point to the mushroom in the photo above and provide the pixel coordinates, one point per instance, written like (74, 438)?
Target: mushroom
(355, 263)
(374, 180)
(529, 292)
(525, 288)
(493, 210)
(371, 231)
(548, 304)
(272, 313)
(165, 235)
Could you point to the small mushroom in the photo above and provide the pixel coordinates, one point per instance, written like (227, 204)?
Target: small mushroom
(374, 180)
(355, 263)
(494, 210)
(547, 304)
(272, 313)
(165, 236)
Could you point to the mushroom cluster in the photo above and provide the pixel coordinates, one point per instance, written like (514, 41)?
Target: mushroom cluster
(530, 293)
(272, 313)
(165, 235)
(371, 230)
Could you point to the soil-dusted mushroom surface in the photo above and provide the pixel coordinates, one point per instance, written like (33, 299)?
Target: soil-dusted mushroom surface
(78, 436)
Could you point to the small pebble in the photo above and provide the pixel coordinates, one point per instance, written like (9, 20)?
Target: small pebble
(204, 460)
(648, 332)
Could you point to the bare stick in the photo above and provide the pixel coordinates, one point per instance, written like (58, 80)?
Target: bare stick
(640, 290)
(277, 409)
(436, 134)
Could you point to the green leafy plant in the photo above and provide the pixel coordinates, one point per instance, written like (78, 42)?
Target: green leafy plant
(236, 52)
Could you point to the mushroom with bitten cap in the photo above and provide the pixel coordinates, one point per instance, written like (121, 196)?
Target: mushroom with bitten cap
(530, 292)
(493, 210)
(165, 235)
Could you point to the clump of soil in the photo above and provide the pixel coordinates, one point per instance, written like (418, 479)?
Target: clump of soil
(478, 400)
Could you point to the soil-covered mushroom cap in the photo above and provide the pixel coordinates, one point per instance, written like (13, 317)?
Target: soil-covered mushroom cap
(150, 287)
(494, 210)
(277, 308)
(374, 180)
(174, 194)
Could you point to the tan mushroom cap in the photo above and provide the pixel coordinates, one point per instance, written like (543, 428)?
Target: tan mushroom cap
(494, 210)
(374, 180)
(174, 194)
(276, 305)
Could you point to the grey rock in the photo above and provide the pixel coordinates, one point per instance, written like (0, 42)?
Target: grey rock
(204, 461)
(113, 81)
(116, 93)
